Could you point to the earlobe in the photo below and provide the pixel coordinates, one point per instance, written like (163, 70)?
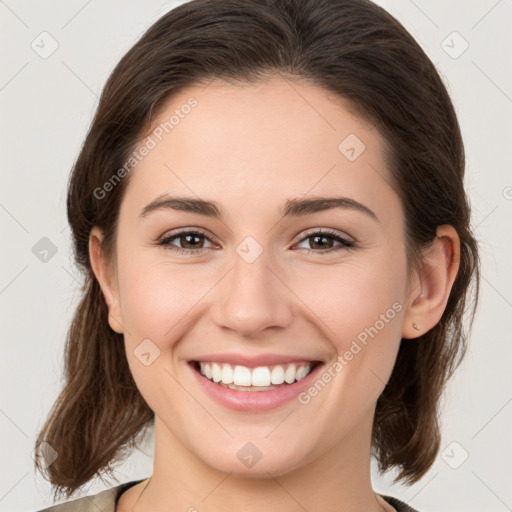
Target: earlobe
(427, 300)
(104, 273)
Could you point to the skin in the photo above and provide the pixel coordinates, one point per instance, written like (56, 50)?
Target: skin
(250, 148)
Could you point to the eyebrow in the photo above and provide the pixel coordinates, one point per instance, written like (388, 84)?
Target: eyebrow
(292, 207)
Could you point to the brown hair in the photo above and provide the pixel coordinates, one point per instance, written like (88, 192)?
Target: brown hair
(350, 47)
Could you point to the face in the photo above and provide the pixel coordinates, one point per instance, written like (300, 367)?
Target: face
(319, 287)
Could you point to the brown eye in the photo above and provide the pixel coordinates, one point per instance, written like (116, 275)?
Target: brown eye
(323, 242)
(189, 242)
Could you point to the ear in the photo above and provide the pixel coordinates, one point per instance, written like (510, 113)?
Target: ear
(428, 295)
(105, 274)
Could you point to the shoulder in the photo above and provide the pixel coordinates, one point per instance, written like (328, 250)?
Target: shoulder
(104, 501)
(400, 506)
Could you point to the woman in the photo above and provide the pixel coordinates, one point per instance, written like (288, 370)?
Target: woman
(270, 215)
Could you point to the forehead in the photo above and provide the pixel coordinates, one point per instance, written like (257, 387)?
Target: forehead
(264, 142)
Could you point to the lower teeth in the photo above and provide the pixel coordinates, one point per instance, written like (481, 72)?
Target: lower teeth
(250, 388)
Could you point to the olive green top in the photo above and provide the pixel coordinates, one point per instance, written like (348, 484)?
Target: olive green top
(106, 501)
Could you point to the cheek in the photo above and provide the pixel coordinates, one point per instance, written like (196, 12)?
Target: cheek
(358, 307)
(351, 297)
(155, 298)
(161, 300)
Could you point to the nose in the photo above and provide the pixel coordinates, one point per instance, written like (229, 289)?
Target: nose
(252, 298)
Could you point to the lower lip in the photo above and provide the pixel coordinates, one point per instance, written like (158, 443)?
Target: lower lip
(255, 401)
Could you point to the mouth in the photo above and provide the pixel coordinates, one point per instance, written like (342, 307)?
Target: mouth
(254, 379)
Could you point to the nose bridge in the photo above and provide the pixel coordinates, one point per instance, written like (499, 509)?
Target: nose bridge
(254, 297)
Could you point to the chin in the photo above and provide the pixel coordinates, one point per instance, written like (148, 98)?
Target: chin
(258, 459)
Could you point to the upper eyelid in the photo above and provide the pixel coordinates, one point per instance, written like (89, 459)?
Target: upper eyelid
(180, 231)
(327, 231)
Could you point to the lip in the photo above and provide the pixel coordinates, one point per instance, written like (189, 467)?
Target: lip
(255, 360)
(253, 401)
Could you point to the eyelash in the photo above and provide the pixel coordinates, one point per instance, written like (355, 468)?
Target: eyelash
(346, 244)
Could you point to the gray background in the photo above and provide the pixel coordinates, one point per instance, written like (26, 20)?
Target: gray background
(46, 107)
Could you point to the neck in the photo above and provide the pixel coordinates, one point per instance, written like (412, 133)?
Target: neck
(338, 480)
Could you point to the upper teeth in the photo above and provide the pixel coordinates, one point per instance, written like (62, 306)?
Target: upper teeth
(259, 376)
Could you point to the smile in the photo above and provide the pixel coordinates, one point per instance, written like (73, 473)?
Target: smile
(256, 387)
(261, 378)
